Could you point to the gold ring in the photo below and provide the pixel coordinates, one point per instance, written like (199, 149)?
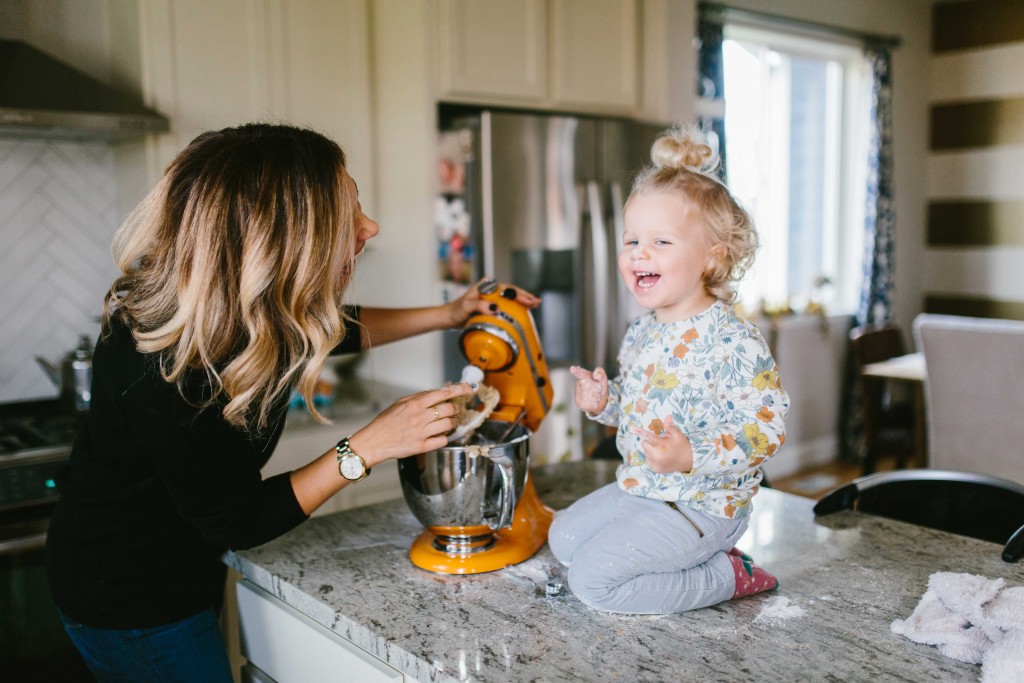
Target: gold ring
(437, 413)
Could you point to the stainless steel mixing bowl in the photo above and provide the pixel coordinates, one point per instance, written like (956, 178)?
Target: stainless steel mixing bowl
(468, 486)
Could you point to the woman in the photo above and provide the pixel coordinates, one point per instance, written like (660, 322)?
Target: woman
(233, 272)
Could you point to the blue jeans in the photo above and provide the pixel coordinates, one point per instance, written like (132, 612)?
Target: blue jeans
(640, 556)
(188, 651)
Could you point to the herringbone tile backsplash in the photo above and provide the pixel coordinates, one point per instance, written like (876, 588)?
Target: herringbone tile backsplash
(57, 219)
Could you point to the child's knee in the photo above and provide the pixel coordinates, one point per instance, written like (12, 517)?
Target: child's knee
(561, 542)
(591, 586)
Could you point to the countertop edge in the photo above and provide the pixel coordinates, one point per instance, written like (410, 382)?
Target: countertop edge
(361, 636)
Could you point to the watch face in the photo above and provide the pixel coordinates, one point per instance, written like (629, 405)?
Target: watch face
(351, 467)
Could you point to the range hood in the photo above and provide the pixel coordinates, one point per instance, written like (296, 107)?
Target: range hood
(43, 97)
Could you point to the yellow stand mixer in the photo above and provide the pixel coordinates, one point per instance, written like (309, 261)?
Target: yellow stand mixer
(479, 507)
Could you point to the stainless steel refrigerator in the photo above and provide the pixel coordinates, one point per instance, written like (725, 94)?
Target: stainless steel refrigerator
(543, 198)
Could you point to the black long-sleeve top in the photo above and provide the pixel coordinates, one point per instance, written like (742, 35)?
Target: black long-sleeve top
(155, 491)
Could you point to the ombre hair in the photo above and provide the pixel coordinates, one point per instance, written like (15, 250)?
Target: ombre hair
(235, 264)
(685, 163)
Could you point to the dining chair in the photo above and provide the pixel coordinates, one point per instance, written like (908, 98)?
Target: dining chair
(965, 503)
(888, 415)
(973, 393)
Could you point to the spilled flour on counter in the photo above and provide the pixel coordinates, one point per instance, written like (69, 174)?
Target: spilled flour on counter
(777, 609)
(533, 570)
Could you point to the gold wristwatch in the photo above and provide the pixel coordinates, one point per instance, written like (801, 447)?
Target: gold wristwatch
(350, 465)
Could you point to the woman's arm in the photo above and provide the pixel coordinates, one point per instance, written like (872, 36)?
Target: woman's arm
(413, 424)
(383, 325)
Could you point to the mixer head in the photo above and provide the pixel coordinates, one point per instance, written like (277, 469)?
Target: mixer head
(506, 346)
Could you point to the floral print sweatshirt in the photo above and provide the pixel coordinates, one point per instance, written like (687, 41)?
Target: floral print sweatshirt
(713, 373)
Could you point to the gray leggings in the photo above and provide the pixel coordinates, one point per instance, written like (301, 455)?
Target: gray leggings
(640, 556)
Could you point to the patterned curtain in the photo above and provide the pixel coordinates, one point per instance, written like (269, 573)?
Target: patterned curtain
(879, 223)
(711, 83)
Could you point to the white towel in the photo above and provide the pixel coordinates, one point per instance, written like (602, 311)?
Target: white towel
(972, 619)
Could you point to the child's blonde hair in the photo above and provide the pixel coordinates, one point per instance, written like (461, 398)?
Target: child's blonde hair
(684, 162)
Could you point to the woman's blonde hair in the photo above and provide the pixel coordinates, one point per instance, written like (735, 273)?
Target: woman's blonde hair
(235, 264)
(684, 162)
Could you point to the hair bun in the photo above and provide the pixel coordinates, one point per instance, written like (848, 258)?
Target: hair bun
(685, 147)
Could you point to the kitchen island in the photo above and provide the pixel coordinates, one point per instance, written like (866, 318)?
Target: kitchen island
(844, 579)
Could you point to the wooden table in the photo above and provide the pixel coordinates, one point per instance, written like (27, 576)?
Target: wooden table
(910, 367)
(844, 578)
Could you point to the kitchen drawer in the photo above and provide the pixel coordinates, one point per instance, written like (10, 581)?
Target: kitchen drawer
(289, 647)
(250, 674)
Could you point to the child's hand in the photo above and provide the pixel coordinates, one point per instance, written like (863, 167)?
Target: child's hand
(669, 451)
(591, 389)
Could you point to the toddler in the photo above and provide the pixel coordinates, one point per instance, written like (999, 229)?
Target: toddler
(697, 403)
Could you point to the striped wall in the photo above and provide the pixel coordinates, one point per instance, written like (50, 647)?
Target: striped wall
(975, 230)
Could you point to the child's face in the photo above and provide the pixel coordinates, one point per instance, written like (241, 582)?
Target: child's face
(664, 254)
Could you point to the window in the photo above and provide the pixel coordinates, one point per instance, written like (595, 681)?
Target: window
(796, 115)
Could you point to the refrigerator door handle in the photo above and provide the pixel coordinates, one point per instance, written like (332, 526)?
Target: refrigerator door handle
(620, 302)
(618, 211)
(602, 276)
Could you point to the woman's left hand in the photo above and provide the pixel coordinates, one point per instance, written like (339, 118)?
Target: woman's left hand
(667, 451)
(471, 302)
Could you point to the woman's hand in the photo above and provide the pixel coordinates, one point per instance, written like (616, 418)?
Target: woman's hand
(413, 424)
(667, 451)
(471, 302)
(591, 389)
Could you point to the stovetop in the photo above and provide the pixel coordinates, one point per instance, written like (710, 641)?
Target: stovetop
(36, 425)
(35, 442)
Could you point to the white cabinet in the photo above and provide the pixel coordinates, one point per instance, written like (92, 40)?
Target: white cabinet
(494, 48)
(580, 55)
(209, 65)
(595, 54)
(811, 354)
(286, 646)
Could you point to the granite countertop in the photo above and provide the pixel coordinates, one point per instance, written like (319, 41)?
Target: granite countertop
(844, 579)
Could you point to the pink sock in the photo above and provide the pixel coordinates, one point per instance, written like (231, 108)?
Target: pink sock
(750, 578)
